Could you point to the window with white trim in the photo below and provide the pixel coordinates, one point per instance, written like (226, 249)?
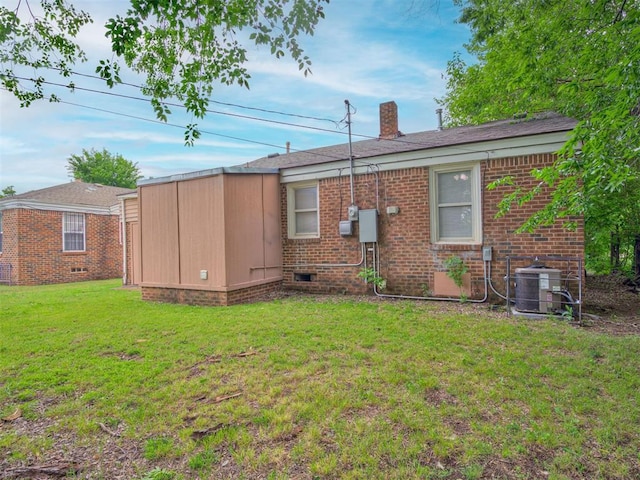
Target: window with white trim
(302, 210)
(455, 204)
(73, 232)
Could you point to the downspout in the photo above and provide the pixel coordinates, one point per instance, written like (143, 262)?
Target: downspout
(124, 242)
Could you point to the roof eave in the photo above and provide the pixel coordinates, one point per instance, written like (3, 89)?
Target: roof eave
(59, 207)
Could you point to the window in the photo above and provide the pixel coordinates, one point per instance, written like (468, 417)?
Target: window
(0, 232)
(302, 214)
(455, 204)
(73, 232)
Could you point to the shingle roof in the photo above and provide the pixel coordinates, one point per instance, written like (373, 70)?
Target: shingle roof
(73, 193)
(498, 130)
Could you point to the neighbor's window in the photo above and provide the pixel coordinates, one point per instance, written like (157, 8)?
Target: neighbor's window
(73, 237)
(455, 204)
(302, 211)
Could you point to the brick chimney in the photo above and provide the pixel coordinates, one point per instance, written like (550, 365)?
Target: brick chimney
(389, 120)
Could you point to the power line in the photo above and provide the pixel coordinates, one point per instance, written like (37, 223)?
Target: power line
(217, 102)
(183, 127)
(159, 122)
(140, 99)
(247, 117)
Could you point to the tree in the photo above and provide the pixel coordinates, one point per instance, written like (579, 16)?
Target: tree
(580, 58)
(7, 192)
(180, 47)
(104, 168)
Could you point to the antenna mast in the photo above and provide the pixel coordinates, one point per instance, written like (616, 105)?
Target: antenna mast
(348, 106)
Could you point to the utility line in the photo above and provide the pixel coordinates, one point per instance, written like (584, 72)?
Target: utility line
(131, 97)
(247, 117)
(217, 102)
(312, 152)
(207, 132)
(160, 122)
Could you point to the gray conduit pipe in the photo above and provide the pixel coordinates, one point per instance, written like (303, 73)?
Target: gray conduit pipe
(493, 288)
(298, 265)
(410, 297)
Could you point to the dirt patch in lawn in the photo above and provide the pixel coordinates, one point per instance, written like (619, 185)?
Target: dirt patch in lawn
(611, 305)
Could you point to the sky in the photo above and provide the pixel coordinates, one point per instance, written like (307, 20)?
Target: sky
(364, 51)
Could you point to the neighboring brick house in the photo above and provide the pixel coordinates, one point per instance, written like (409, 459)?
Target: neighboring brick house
(64, 233)
(401, 205)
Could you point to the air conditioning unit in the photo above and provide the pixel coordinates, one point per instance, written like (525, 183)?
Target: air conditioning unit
(538, 289)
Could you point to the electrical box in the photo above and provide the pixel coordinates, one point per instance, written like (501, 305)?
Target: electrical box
(486, 254)
(352, 213)
(204, 274)
(346, 228)
(368, 226)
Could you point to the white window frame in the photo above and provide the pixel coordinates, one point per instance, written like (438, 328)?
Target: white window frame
(476, 203)
(292, 211)
(65, 216)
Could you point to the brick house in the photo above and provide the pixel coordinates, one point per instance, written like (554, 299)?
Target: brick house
(59, 234)
(400, 206)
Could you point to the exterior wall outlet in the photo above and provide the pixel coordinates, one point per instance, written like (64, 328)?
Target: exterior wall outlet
(393, 210)
(204, 274)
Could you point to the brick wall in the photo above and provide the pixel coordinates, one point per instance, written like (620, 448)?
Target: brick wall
(546, 241)
(407, 257)
(34, 248)
(9, 254)
(208, 297)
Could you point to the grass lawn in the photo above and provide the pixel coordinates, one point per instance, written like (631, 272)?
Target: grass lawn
(98, 384)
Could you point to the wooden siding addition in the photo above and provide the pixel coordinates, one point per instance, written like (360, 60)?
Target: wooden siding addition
(201, 226)
(210, 239)
(246, 221)
(159, 234)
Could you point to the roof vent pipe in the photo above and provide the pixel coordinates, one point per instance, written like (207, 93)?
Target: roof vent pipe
(439, 113)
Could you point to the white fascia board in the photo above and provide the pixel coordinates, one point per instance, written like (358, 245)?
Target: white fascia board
(206, 173)
(472, 152)
(31, 205)
(125, 196)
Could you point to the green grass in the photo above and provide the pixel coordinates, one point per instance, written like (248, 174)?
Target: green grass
(311, 388)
